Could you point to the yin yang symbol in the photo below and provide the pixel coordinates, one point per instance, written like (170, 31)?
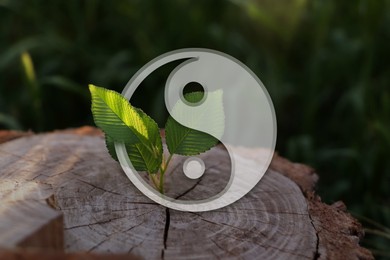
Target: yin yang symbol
(247, 127)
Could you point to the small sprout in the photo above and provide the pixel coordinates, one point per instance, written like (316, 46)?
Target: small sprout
(121, 122)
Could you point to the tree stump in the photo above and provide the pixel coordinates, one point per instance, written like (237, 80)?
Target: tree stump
(62, 191)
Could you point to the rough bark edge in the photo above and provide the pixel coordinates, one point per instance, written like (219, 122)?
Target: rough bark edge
(21, 253)
(338, 232)
(7, 135)
(83, 130)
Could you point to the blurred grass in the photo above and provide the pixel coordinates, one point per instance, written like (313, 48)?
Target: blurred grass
(325, 64)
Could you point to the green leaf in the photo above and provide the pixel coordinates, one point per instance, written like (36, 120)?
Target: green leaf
(110, 144)
(187, 141)
(116, 117)
(147, 157)
(144, 156)
(141, 158)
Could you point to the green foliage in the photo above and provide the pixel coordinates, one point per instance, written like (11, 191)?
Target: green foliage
(110, 144)
(187, 141)
(121, 122)
(140, 134)
(324, 63)
(151, 153)
(140, 156)
(116, 117)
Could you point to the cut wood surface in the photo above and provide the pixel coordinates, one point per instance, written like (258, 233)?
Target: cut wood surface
(62, 189)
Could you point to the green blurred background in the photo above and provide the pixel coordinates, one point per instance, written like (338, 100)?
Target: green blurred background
(325, 64)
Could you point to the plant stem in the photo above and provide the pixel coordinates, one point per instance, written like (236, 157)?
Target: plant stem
(161, 188)
(153, 177)
(167, 162)
(162, 172)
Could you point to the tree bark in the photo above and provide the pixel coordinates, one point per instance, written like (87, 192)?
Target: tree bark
(62, 189)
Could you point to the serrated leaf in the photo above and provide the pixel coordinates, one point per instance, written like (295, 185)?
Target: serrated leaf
(116, 117)
(147, 157)
(110, 144)
(187, 141)
(122, 122)
(143, 157)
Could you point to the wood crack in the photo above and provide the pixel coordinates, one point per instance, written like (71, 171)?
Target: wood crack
(166, 230)
(95, 223)
(281, 218)
(223, 249)
(100, 188)
(190, 189)
(316, 253)
(111, 235)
